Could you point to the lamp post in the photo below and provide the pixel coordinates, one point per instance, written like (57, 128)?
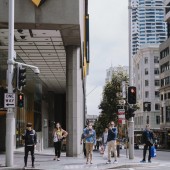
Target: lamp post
(10, 120)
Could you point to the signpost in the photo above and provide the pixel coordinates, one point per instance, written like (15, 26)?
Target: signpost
(121, 116)
(9, 100)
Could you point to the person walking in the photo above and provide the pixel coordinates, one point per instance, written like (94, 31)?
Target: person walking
(90, 140)
(30, 138)
(147, 140)
(111, 142)
(104, 138)
(84, 144)
(58, 135)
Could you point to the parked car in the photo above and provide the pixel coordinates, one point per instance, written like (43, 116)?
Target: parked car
(136, 146)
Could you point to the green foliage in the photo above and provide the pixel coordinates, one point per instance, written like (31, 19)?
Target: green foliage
(110, 100)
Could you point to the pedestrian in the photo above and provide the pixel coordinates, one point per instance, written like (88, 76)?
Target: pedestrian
(111, 142)
(84, 144)
(58, 135)
(30, 138)
(104, 138)
(147, 140)
(90, 140)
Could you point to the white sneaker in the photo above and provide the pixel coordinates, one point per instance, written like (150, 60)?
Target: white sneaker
(115, 162)
(108, 162)
(58, 159)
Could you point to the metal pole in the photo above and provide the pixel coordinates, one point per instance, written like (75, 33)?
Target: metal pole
(10, 120)
(130, 121)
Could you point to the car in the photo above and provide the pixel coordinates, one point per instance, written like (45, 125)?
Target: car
(136, 146)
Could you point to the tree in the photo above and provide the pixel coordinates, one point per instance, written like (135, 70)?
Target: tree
(110, 101)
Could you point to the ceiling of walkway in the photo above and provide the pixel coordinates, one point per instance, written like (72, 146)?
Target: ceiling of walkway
(41, 48)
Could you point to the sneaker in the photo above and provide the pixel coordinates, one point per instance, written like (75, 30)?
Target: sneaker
(149, 161)
(115, 162)
(108, 162)
(58, 159)
(143, 161)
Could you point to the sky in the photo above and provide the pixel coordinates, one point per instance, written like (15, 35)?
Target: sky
(108, 45)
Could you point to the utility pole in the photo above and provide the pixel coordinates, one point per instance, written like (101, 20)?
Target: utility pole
(10, 117)
(130, 121)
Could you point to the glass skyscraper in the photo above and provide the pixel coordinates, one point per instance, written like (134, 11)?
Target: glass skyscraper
(147, 24)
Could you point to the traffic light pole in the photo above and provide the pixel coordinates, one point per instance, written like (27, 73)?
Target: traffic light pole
(10, 118)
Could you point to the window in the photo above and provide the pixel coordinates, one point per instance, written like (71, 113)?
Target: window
(165, 96)
(157, 83)
(156, 93)
(156, 71)
(167, 113)
(162, 114)
(157, 106)
(157, 120)
(162, 97)
(146, 71)
(146, 60)
(147, 120)
(168, 95)
(146, 94)
(156, 59)
(146, 83)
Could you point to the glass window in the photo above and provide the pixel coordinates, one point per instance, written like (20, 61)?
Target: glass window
(156, 93)
(162, 114)
(146, 83)
(156, 71)
(156, 59)
(157, 106)
(157, 83)
(157, 120)
(146, 71)
(146, 60)
(146, 94)
(167, 113)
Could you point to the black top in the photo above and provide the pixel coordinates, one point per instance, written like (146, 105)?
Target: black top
(30, 137)
(112, 134)
(147, 136)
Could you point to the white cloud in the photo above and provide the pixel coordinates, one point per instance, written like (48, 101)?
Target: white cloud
(108, 44)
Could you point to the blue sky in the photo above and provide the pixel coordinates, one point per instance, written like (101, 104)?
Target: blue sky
(108, 45)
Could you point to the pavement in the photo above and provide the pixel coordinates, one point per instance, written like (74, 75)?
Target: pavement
(44, 161)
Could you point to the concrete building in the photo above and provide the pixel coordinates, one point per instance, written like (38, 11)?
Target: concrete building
(165, 82)
(147, 25)
(147, 82)
(111, 70)
(53, 37)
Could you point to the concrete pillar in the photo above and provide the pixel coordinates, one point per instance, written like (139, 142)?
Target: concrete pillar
(74, 101)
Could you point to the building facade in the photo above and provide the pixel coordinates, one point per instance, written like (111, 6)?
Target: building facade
(147, 82)
(147, 24)
(165, 82)
(53, 37)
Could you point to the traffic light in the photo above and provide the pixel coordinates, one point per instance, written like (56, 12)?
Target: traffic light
(132, 95)
(131, 112)
(147, 106)
(21, 77)
(20, 100)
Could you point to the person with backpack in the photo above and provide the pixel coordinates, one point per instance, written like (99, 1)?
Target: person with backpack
(58, 135)
(30, 138)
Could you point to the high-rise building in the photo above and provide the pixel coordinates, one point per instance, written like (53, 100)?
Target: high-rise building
(111, 70)
(147, 24)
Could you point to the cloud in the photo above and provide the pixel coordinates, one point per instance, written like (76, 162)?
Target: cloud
(108, 44)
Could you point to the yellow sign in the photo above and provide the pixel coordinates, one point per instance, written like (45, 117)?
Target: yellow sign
(38, 2)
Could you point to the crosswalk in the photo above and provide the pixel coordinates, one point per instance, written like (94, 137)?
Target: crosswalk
(80, 166)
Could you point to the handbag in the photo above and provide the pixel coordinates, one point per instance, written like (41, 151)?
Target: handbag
(153, 151)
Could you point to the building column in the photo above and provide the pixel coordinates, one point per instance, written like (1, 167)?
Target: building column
(74, 101)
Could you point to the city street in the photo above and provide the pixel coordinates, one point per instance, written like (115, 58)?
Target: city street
(45, 160)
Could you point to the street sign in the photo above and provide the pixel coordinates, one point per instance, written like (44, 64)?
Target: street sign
(121, 111)
(9, 100)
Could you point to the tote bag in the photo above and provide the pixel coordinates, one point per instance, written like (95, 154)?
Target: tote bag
(153, 151)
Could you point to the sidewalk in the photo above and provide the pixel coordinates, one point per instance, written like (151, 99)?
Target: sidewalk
(44, 160)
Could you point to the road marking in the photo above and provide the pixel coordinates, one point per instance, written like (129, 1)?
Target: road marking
(80, 166)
